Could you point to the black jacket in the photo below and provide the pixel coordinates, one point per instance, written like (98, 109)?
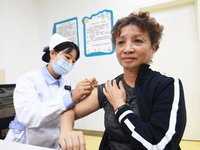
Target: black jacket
(162, 112)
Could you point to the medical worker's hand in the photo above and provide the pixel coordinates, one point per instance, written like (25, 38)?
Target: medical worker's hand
(72, 140)
(94, 81)
(115, 95)
(83, 88)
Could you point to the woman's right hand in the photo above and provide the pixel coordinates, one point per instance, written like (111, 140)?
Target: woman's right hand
(72, 140)
(83, 88)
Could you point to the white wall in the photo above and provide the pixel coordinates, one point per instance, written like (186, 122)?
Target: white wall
(61, 10)
(19, 37)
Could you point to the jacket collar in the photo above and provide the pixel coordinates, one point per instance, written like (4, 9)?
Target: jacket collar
(144, 71)
(49, 78)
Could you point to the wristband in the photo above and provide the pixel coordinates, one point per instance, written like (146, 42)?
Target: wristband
(119, 108)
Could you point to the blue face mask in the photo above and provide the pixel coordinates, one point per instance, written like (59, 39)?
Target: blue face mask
(62, 67)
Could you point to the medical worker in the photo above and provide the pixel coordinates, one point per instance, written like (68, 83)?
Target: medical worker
(41, 96)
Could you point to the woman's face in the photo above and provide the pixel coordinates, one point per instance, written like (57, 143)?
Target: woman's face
(133, 47)
(70, 57)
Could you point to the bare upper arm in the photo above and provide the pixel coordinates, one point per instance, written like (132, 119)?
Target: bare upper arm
(88, 105)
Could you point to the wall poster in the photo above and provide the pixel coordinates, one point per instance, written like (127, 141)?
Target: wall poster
(68, 29)
(97, 38)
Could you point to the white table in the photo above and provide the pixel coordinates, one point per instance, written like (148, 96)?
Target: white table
(6, 145)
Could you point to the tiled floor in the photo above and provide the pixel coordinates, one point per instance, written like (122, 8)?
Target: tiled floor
(92, 143)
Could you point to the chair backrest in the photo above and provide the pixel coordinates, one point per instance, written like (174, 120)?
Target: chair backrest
(7, 111)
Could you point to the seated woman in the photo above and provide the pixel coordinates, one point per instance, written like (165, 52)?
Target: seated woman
(144, 109)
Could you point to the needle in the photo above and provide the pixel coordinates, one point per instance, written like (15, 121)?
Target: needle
(87, 71)
(88, 74)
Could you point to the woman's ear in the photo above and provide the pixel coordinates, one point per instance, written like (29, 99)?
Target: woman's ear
(154, 48)
(52, 54)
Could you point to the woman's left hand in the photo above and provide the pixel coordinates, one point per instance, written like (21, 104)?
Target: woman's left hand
(116, 96)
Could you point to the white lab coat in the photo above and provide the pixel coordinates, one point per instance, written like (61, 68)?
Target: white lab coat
(38, 107)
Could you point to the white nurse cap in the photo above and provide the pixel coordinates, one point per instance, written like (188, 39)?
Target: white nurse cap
(56, 39)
